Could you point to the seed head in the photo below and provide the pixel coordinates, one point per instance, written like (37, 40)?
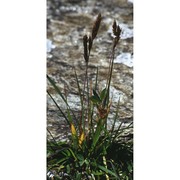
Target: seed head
(96, 26)
(85, 41)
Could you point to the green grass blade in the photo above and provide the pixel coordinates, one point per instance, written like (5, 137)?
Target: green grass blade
(67, 120)
(69, 116)
(61, 95)
(79, 89)
(116, 132)
(57, 89)
(51, 135)
(96, 95)
(96, 82)
(115, 118)
(81, 100)
(95, 99)
(115, 170)
(125, 128)
(92, 110)
(107, 171)
(103, 94)
(72, 153)
(97, 133)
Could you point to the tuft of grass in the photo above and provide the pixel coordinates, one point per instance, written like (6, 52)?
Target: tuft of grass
(93, 152)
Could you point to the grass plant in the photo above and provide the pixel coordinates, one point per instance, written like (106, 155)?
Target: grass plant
(93, 152)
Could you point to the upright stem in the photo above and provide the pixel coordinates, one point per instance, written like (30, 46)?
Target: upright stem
(87, 87)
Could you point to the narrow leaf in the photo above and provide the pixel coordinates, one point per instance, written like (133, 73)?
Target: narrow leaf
(59, 108)
(96, 95)
(95, 100)
(107, 171)
(56, 88)
(61, 95)
(103, 94)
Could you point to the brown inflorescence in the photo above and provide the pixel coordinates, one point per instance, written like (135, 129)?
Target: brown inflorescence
(85, 41)
(96, 26)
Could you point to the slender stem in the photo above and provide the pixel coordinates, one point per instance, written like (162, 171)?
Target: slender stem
(88, 102)
(59, 108)
(84, 89)
(51, 136)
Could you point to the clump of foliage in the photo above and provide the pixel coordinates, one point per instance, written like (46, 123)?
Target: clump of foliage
(93, 152)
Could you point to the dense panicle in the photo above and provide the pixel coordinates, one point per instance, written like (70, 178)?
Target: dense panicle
(85, 41)
(117, 32)
(96, 26)
(90, 43)
(114, 28)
